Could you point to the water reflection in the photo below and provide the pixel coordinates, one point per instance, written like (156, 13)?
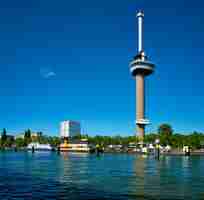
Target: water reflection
(73, 168)
(147, 177)
(81, 176)
(139, 168)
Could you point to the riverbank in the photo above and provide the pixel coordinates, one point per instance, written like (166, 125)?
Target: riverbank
(177, 153)
(173, 152)
(108, 151)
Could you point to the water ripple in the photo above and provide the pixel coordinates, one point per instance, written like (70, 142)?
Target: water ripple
(78, 176)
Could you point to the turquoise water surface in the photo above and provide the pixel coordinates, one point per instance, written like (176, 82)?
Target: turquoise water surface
(47, 176)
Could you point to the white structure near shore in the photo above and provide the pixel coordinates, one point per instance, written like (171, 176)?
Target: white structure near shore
(69, 129)
(39, 147)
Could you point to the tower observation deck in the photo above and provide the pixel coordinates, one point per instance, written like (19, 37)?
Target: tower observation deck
(140, 67)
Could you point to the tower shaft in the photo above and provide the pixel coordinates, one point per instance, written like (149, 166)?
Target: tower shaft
(140, 104)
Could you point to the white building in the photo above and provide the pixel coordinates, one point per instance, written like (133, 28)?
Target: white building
(69, 129)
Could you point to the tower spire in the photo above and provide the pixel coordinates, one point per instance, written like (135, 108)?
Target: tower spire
(140, 16)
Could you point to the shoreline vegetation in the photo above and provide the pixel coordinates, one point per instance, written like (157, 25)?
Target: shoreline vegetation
(165, 134)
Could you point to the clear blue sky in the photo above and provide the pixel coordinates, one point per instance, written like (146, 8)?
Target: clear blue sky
(69, 60)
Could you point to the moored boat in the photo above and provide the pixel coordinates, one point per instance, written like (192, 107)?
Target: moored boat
(76, 146)
(39, 147)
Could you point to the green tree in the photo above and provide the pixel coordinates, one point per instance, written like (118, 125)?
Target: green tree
(40, 138)
(77, 137)
(29, 133)
(193, 140)
(39, 134)
(54, 141)
(9, 141)
(165, 132)
(165, 129)
(19, 142)
(27, 137)
(150, 138)
(3, 137)
(177, 140)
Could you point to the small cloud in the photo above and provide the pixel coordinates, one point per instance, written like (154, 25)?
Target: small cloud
(47, 73)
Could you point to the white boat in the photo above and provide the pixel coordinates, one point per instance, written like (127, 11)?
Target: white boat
(39, 147)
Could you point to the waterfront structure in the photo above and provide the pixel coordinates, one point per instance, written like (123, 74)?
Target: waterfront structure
(140, 67)
(76, 146)
(69, 129)
(39, 147)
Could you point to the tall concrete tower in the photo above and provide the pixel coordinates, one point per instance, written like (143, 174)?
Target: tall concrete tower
(140, 67)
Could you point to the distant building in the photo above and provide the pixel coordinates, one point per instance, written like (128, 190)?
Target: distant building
(33, 135)
(20, 136)
(69, 129)
(11, 137)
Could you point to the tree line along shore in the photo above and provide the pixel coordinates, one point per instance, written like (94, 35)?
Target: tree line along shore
(165, 134)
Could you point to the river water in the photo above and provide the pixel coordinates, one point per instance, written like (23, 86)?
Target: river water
(47, 176)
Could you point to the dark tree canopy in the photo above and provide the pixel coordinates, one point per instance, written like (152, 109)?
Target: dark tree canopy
(165, 129)
(3, 136)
